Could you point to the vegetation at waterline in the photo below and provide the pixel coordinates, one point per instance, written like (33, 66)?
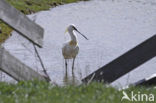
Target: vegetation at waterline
(28, 7)
(43, 92)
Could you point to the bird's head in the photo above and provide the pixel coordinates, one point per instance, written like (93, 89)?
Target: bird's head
(72, 27)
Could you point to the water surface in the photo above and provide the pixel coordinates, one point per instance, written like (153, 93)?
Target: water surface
(113, 27)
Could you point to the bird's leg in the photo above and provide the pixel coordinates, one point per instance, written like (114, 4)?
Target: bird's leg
(73, 64)
(65, 79)
(73, 78)
(66, 64)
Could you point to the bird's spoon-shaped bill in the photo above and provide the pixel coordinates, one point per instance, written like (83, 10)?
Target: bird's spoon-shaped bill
(82, 35)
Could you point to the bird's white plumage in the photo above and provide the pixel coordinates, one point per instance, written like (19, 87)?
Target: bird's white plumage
(70, 49)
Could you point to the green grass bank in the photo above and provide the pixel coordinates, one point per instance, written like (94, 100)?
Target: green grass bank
(42, 92)
(28, 7)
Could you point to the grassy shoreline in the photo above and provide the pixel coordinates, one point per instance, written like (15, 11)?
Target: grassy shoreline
(28, 7)
(43, 92)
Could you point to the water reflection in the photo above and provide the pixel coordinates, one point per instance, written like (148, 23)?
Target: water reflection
(69, 80)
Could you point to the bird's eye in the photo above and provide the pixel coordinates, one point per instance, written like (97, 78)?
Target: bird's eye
(74, 28)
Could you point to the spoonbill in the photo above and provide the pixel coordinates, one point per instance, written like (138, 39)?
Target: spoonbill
(70, 49)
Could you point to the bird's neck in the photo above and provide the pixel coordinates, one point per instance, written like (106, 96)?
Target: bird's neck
(73, 37)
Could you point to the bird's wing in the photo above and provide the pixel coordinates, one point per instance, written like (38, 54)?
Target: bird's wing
(65, 49)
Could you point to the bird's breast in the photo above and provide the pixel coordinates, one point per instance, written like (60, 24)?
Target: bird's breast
(70, 51)
(73, 43)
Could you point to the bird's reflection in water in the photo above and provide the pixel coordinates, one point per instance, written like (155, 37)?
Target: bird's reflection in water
(70, 80)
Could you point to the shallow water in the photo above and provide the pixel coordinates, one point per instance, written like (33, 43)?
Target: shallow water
(113, 27)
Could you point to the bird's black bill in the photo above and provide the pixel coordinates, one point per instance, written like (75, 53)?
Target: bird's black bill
(82, 35)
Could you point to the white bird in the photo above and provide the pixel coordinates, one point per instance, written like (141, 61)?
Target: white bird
(70, 49)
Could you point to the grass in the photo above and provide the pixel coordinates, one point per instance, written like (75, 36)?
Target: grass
(28, 7)
(42, 92)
